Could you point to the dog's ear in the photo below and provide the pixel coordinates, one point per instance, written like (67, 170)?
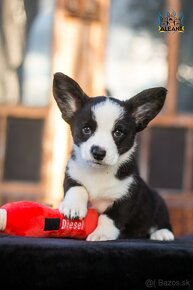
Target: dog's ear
(68, 95)
(146, 105)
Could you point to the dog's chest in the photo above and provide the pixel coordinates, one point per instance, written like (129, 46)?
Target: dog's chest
(101, 184)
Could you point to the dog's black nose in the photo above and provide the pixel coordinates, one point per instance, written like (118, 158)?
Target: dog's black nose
(98, 153)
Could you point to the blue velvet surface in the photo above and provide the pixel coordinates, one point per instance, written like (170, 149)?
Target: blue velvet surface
(50, 263)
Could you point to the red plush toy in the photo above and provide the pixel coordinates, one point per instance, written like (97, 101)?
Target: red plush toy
(27, 218)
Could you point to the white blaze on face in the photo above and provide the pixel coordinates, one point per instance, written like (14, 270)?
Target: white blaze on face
(106, 114)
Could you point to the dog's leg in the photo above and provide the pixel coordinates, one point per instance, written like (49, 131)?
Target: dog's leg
(75, 202)
(162, 235)
(105, 230)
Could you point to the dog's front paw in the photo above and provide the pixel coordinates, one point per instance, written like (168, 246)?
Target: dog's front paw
(99, 236)
(105, 231)
(74, 204)
(73, 210)
(162, 235)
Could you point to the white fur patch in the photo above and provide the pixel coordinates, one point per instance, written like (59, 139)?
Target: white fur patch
(162, 235)
(101, 184)
(74, 203)
(105, 113)
(105, 230)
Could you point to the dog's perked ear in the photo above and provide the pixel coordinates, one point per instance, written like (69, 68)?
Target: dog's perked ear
(146, 105)
(68, 95)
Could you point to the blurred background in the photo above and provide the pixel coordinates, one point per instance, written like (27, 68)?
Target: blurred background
(111, 48)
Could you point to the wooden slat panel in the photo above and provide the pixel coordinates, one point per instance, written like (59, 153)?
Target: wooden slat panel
(173, 42)
(188, 162)
(181, 213)
(176, 214)
(21, 187)
(15, 191)
(23, 112)
(187, 221)
(180, 120)
(78, 50)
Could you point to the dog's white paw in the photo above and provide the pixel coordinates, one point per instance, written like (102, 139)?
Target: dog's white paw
(97, 236)
(73, 211)
(162, 235)
(105, 231)
(74, 204)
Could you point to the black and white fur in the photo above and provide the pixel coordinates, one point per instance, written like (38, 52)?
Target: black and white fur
(102, 171)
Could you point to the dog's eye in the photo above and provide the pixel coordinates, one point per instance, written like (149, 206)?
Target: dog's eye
(118, 133)
(87, 130)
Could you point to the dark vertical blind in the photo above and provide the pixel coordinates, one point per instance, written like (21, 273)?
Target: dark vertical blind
(23, 149)
(167, 147)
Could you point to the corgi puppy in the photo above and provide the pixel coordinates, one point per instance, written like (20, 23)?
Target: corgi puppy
(102, 171)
